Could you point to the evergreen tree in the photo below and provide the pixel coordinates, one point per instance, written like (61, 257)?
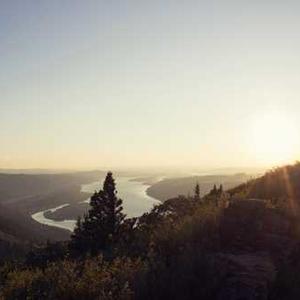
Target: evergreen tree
(197, 192)
(221, 189)
(101, 225)
(214, 191)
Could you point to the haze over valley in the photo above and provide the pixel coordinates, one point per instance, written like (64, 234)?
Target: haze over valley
(24, 195)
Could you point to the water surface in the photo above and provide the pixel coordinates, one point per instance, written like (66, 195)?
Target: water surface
(133, 193)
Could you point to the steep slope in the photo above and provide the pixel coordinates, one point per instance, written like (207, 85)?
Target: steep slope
(281, 186)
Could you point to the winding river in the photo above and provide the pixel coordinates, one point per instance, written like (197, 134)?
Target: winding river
(135, 202)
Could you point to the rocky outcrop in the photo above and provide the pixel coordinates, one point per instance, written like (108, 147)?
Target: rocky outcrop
(246, 276)
(255, 240)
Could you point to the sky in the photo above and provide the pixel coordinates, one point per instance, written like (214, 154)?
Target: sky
(88, 84)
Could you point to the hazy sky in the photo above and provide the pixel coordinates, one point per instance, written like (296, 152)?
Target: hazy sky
(147, 83)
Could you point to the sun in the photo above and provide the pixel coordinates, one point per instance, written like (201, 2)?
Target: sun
(273, 138)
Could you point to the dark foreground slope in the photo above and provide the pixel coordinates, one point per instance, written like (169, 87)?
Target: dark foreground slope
(255, 240)
(214, 248)
(197, 252)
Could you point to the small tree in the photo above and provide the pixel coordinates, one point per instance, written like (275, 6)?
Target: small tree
(101, 225)
(214, 191)
(197, 192)
(220, 191)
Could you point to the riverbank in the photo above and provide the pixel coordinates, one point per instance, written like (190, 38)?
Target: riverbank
(135, 203)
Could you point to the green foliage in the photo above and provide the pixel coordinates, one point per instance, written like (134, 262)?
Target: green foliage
(163, 254)
(100, 228)
(64, 280)
(40, 256)
(180, 265)
(171, 252)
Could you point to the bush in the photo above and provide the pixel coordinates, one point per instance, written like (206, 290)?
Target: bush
(67, 280)
(166, 253)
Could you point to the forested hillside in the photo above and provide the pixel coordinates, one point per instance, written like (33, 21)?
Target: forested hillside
(281, 186)
(219, 246)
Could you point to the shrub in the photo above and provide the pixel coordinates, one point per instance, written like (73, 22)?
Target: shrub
(68, 280)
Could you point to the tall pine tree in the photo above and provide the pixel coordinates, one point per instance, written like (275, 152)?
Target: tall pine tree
(101, 225)
(197, 192)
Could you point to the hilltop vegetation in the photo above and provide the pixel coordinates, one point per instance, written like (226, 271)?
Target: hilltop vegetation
(280, 186)
(218, 246)
(115, 258)
(172, 187)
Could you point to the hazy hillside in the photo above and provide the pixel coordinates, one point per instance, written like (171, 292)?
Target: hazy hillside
(16, 186)
(23, 194)
(170, 188)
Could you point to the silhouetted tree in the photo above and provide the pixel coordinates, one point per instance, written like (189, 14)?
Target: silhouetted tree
(215, 194)
(214, 191)
(197, 192)
(221, 188)
(220, 191)
(100, 227)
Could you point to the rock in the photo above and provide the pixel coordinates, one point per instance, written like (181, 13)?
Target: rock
(255, 240)
(245, 276)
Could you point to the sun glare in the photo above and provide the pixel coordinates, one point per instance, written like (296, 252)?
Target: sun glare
(273, 139)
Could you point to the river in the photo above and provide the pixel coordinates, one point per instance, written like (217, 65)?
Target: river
(135, 202)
